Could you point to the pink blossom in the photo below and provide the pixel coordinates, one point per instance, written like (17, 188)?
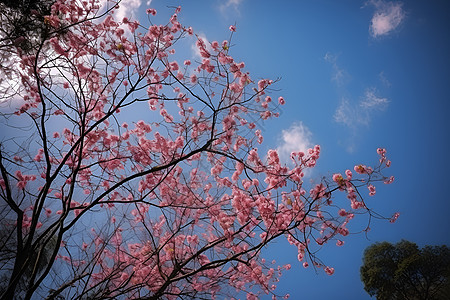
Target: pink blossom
(372, 190)
(360, 169)
(167, 117)
(151, 11)
(381, 151)
(394, 217)
(57, 47)
(215, 45)
(357, 205)
(251, 296)
(233, 28)
(225, 59)
(342, 212)
(235, 88)
(262, 84)
(343, 231)
(338, 179)
(52, 21)
(389, 180)
(259, 136)
(83, 71)
(329, 271)
(281, 100)
(193, 79)
(349, 174)
(173, 66)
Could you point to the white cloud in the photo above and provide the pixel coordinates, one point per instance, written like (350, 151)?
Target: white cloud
(11, 87)
(371, 101)
(354, 115)
(384, 79)
(339, 75)
(345, 113)
(233, 4)
(294, 139)
(127, 8)
(387, 17)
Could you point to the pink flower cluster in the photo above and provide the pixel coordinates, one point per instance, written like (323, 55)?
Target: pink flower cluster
(22, 179)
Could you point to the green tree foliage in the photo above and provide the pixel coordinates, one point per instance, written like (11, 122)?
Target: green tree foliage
(404, 271)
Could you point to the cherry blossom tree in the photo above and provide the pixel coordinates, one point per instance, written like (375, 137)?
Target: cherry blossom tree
(132, 174)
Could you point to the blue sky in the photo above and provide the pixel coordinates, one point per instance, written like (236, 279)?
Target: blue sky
(356, 75)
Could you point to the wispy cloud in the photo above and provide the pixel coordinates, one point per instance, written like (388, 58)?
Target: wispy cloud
(386, 18)
(353, 115)
(346, 114)
(230, 4)
(296, 138)
(372, 102)
(384, 79)
(339, 75)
